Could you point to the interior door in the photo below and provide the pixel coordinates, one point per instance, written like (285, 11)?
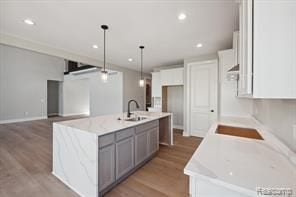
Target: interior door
(203, 96)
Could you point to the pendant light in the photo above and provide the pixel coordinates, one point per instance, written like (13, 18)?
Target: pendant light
(141, 82)
(104, 73)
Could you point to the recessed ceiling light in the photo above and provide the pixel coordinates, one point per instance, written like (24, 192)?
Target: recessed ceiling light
(199, 45)
(181, 16)
(130, 59)
(29, 22)
(95, 46)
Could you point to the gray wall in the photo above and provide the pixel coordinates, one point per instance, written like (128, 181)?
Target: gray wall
(23, 82)
(132, 90)
(24, 74)
(279, 116)
(52, 97)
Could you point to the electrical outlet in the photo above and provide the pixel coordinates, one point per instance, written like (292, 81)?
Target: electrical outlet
(26, 113)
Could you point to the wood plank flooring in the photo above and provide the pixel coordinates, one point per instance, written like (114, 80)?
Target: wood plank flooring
(26, 164)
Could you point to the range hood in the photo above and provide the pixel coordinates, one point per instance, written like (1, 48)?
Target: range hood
(75, 68)
(84, 69)
(233, 73)
(234, 68)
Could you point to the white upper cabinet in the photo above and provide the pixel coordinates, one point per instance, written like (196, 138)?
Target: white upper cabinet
(172, 77)
(156, 87)
(274, 49)
(267, 49)
(245, 50)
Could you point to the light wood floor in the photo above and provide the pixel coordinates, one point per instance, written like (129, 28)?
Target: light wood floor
(26, 164)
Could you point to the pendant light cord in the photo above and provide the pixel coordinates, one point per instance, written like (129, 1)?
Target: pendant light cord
(141, 63)
(104, 27)
(104, 49)
(141, 47)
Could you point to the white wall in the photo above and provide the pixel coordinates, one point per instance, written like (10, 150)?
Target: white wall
(23, 82)
(106, 98)
(175, 104)
(280, 116)
(87, 94)
(75, 96)
(229, 104)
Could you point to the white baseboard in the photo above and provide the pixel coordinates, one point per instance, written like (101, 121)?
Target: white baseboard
(22, 119)
(178, 127)
(74, 114)
(186, 134)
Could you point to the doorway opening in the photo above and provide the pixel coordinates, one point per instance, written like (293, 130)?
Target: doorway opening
(53, 98)
(148, 96)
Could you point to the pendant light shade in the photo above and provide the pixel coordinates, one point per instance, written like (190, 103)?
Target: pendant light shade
(141, 82)
(104, 73)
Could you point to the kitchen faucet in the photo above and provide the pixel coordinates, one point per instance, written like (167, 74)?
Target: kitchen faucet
(128, 107)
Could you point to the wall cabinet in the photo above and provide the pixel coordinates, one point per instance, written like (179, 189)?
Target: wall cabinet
(245, 51)
(172, 77)
(267, 49)
(156, 87)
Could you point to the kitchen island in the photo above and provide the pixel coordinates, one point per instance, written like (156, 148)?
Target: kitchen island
(92, 155)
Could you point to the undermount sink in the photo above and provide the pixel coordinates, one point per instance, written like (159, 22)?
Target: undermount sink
(135, 119)
(239, 132)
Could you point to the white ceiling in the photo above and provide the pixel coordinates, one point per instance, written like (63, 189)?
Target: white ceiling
(75, 26)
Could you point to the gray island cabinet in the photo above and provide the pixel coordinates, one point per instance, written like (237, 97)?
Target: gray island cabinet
(92, 155)
(123, 152)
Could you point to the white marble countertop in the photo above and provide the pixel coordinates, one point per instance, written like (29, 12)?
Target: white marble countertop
(242, 164)
(102, 125)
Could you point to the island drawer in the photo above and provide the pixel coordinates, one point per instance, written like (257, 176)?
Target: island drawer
(146, 126)
(106, 140)
(124, 133)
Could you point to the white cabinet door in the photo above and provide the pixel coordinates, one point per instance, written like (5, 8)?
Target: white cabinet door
(245, 51)
(274, 49)
(156, 87)
(172, 77)
(203, 96)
